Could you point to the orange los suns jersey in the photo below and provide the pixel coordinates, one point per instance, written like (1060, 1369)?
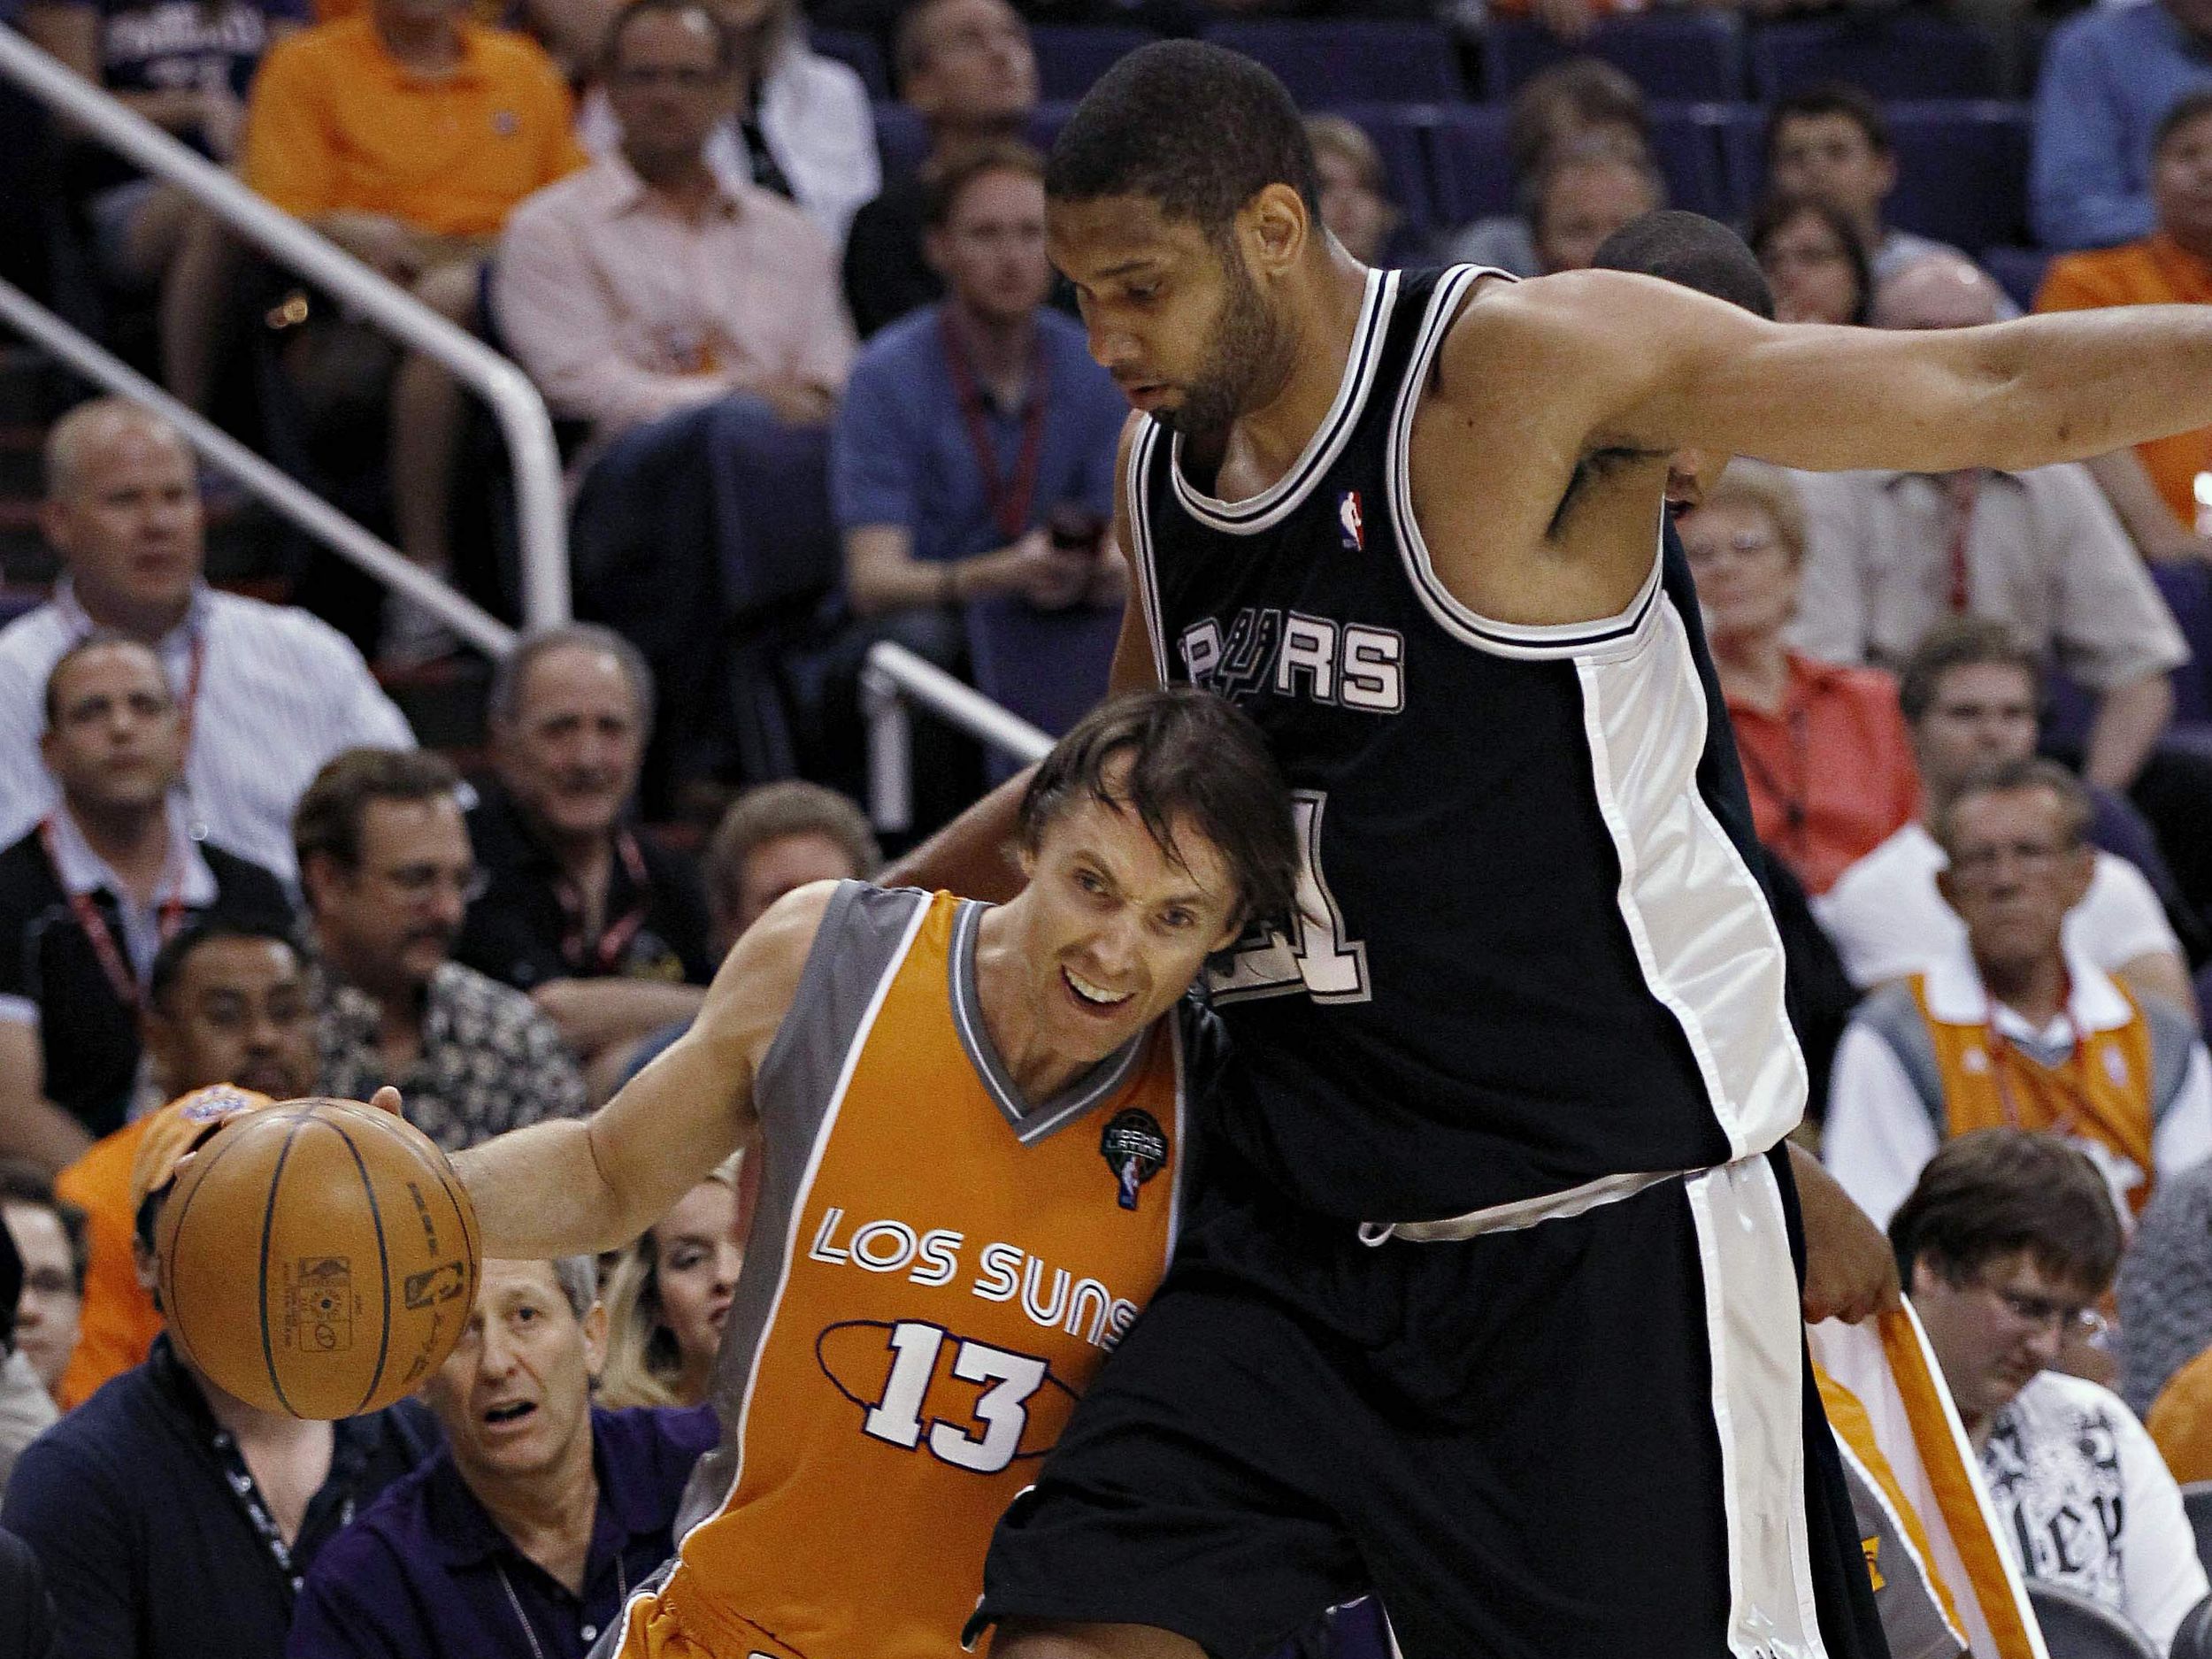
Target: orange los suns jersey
(936, 1269)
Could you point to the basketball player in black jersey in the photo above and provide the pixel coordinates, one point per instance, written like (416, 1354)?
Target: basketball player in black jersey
(1489, 1306)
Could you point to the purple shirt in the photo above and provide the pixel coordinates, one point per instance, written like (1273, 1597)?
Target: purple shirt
(425, 1573)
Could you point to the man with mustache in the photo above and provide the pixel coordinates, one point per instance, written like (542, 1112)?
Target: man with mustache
(603, 927)
(386, 864)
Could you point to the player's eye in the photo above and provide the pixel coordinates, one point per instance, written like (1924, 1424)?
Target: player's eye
(1177, 920)
(1089, 881)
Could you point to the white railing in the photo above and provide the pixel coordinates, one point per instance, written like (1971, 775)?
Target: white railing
(892, 679)
(542, 521)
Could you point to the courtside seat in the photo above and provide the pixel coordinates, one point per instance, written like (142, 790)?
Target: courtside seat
(1071, 56)
(1327, 64)
(1891, 54)
(1690, 56)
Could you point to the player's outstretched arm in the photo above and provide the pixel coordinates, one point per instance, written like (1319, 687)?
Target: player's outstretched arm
(573, 1186)
(1650, 366)
(973, 854)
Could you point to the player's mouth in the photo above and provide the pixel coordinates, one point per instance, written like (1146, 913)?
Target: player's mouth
(1094, 999)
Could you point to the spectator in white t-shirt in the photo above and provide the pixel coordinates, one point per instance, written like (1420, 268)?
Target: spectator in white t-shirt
(1969, 694)
(2006, 1245)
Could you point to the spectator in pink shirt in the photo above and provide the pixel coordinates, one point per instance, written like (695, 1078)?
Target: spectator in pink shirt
(650, 284)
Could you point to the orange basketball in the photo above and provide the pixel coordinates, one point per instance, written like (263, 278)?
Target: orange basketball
(318, 1258)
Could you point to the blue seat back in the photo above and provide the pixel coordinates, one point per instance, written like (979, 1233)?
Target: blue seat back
(1328, 65)
(1891, 54)
(1689, 56)
(1070, 57)
(1961, 172)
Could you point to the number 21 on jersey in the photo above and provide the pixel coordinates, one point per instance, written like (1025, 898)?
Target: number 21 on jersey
(1320, 961)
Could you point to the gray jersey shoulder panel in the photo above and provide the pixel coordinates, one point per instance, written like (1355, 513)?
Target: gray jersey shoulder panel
(862, 938)
(1893, 1015)
(2172, 1037)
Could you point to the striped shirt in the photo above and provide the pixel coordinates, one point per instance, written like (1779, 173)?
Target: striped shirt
(280, 692)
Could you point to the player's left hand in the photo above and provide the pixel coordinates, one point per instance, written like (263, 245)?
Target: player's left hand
(1850, 1271)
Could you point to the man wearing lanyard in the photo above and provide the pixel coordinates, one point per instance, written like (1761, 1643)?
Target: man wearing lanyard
(88, 895)
(606, 929)
(2016, 1029)
(268, 692)
(171, 1521)
(972, 459)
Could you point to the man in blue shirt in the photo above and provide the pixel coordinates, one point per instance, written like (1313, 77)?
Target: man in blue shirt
(171, 1520)
(2109, 75)
(524, 1536)
(972, 465)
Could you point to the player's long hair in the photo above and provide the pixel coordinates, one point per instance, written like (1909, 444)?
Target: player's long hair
(643, 1367)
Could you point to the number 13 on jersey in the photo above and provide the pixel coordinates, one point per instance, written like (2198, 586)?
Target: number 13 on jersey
(1320, 961)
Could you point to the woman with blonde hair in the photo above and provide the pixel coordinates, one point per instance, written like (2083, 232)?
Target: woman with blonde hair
(668, 1292)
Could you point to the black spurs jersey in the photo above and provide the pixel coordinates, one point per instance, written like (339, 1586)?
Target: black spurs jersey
(1531, 952)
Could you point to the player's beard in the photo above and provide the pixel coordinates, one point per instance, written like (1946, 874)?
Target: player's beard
(1245, 354)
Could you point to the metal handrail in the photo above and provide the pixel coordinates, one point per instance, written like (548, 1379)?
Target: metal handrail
(542, 519)
(893, 677)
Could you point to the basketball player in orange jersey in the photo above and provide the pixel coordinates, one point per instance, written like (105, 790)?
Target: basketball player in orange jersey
(976, 1126)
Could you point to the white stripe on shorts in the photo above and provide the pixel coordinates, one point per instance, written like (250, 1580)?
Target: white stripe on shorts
(1756, 1339)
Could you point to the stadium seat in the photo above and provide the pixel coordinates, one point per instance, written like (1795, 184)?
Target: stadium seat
(2196, 1498)
(1684, 56)
(1743, 136)
(1891, 54)
(1401, 134)
(2187, 591)
(1685, 140)
(1961, 172)
(1070, 57)
(2193, 1638)
(1328, 65)
(902, 139)
(2018, 270)
(850, 46)
(2075, 1627)
(1470, 171)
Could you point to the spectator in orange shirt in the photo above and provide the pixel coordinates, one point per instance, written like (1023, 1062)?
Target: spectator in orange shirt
(407, 135)
(228, 1003)
(1825, 749)
(2173, 264)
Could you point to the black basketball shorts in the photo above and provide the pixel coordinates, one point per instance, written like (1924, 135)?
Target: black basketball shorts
(1596, 1437)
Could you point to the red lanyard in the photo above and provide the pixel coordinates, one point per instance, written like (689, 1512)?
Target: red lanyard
(1961, 490)
(100, 936)
(615, 940)
(1008, 498)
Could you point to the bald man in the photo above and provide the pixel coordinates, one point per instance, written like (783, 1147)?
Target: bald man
(1942, 289)
(268, 692)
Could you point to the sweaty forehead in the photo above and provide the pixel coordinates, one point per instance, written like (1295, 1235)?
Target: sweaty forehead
(1101, 239)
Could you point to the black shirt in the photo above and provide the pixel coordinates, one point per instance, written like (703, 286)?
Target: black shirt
(885, 273)
(133, 1505)
(89, 1034)
(521, 933)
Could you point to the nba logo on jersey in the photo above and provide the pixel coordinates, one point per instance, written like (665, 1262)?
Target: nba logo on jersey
(1351, 524)
(1135, 1148)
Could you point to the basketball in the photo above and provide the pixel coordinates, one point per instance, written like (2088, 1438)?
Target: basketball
(318, 1258)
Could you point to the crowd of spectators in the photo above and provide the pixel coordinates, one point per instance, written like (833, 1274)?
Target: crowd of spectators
(785, 322)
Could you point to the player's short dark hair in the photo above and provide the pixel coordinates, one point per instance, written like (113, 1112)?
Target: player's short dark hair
(1595, 92)
(1778, 209)
(725, 38)
(1197, 128)
(1995, 1192)
(27, 1184)
(2077, 808)
(99, 639)
(2189, 108)
(178, 949)
(1960, 642)
(946, 178)
(1860, 107)
(328, 818)
(1691, 251)
(1192, 755)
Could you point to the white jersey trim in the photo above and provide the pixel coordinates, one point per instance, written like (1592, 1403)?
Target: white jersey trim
(738, 1441)
(1757, 1343)
(1137, 487)
(1284, 497)
(1620, 633)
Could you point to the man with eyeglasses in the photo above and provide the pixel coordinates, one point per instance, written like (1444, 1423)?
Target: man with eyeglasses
(385, 863)
(2016, 1028)
(2006, 1243)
